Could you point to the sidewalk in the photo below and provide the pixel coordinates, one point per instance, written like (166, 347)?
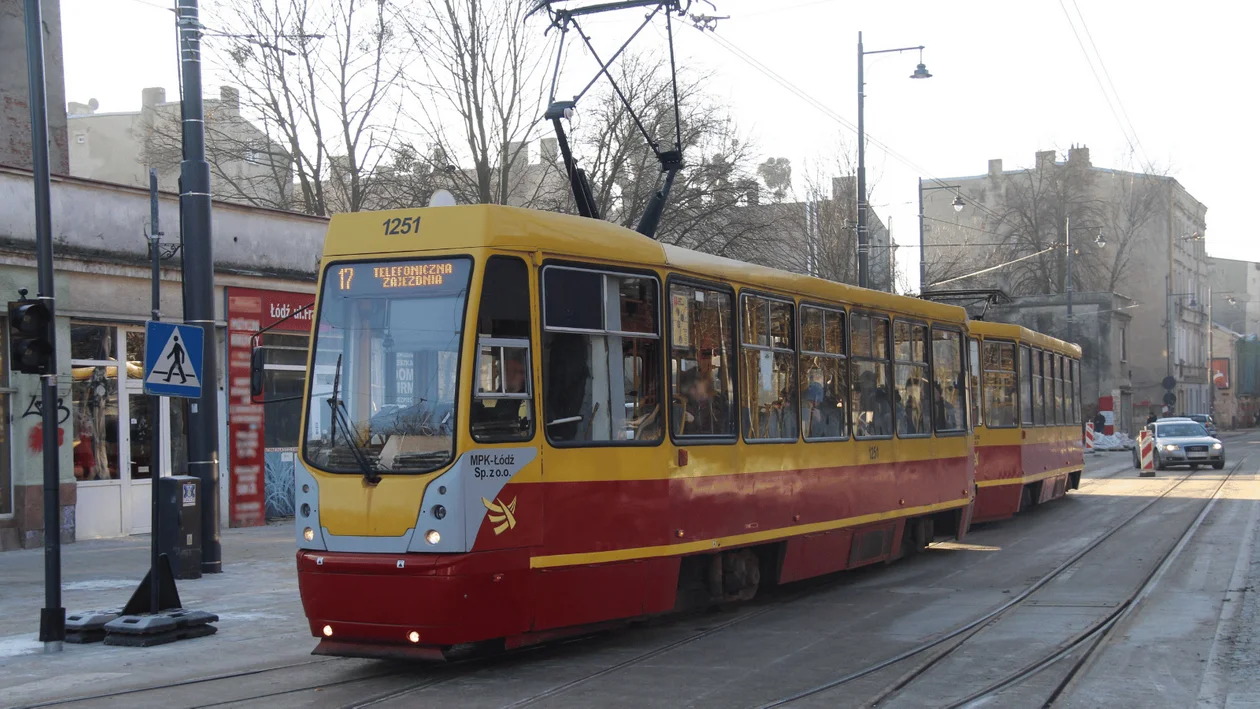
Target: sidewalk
(256, 598)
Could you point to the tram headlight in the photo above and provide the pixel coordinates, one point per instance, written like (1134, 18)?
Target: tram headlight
(306, 511)
(308, 534)
(439, 512)
(1217, 446)
(1170, 447)
(413, 636)
(328, 631)
(432, 536)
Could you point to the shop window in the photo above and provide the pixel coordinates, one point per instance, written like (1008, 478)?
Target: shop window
(89, 341)
(1025, 386)
(701, 361)
(95, 394)
(602, 358)
(871, 398)
(503, 403)
(973, 379)
(913, 395)
(949, 410)
(768, 375)
(999, 385)
(824, 374)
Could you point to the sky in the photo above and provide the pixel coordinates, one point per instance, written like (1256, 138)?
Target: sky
(1009, 79)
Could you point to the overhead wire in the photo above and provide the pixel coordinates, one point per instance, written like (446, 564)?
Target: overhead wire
(1131, 139)
(823, 108)
(1107, 74)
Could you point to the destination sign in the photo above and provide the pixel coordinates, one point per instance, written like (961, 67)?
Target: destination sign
(417, 275)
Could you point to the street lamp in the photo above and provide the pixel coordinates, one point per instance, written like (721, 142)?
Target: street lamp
(958, 207)
(863, 237)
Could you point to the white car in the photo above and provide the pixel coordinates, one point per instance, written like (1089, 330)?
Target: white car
(1182, 441)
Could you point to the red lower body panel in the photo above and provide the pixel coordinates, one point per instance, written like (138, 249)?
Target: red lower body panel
(1007, 470)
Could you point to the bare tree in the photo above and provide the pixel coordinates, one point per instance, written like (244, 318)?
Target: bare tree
(708, 208)
(1134, 203)
(480, 98)
(324, 77)
(246, 165)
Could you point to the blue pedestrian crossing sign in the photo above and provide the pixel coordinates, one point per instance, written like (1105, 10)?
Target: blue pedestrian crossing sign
(172, 359)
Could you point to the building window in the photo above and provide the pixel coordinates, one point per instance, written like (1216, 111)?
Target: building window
(602, 358)
(503, 402)
(948, 387)
(999, 385)
(1124, 344)
(701, 361)
(1025, 386)
(824, 374)
(913, 397)
(870, 399)
(768, 376)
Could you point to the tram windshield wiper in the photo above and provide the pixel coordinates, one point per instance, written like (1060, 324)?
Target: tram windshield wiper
(340, 417)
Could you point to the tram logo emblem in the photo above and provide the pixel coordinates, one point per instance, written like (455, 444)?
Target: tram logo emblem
(501, 515)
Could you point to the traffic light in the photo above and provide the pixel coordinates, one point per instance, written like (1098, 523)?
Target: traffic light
(30, 351)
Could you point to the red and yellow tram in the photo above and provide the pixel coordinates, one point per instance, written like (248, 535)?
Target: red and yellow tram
(521, 424)
(1027, 418)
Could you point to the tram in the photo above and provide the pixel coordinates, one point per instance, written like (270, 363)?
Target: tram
(1027, 414)
(525, 425)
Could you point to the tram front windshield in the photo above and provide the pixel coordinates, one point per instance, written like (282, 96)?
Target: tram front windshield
(383, 389)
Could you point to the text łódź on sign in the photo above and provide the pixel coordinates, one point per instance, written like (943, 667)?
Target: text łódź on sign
(173, 359)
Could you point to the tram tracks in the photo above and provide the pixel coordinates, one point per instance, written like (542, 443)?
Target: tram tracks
(1086, 643)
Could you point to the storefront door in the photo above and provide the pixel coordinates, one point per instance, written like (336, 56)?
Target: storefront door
(113, 420)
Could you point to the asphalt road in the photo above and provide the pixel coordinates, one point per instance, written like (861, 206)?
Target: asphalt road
(1166, 579)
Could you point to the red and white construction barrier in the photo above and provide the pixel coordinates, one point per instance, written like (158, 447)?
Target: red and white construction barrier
(1089, 436)
(1146, 449)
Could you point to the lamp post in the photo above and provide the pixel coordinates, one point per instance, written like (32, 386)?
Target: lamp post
(958, 207)
(863, 238)
(1099, 241)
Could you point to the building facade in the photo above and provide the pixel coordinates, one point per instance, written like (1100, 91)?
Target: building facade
(818, 237)
(15, 108)
(102, 281)
(1235, 294)
(247, 167)
(1151, 251)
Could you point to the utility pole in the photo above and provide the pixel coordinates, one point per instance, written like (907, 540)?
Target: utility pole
(52, 618)
(155, 401)
(198, 268)
(863, 238)
(1067, 238)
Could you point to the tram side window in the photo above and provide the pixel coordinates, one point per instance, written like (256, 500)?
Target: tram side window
(1060, 396)
(601, 357)
(948, 382)
(973, 379)
(824, 374)
(1052, 391)
(701, 360)
(1025, 386)
(999, 385)
(913, 397)
(768, 374)
(1076, 392)
(870, 399)
(503, 403)
(1038, 390)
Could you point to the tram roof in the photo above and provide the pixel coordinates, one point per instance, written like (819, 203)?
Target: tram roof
(1024, 335)
(491, 226)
